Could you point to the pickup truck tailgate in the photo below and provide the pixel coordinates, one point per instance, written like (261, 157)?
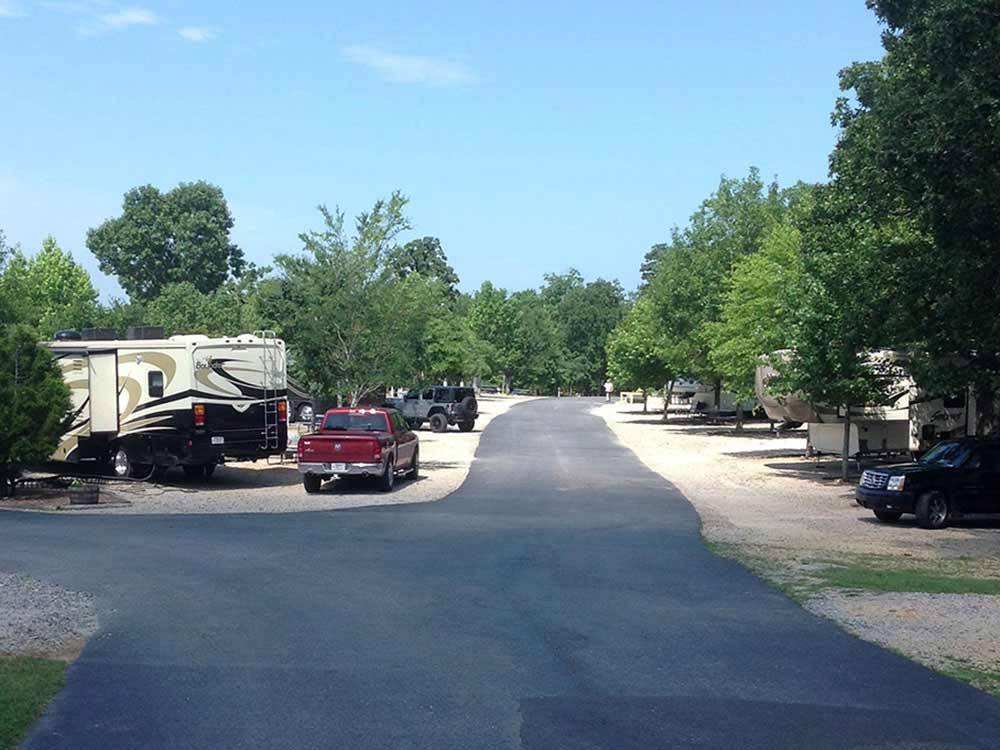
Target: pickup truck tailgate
(346, 448)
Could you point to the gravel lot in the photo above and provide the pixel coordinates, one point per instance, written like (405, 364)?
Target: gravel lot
(914, 624)
(260, 487)
(761, 493)
(39, 619)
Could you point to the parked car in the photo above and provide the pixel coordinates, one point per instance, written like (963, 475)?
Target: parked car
(359, 442)
(953, 478)
(439, 406)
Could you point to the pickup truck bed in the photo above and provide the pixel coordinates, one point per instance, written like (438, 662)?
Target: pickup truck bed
(358, 442)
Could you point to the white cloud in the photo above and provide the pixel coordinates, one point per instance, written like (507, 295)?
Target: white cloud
(197, 33)
(120, 19)
(10, 9)
(427, 71)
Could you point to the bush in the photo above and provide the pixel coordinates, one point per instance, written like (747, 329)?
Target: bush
(34, 404)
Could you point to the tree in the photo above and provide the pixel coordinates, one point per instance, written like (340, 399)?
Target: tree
(49, 290)
(493, 318)
(34, 403)
(638, 354)
(162, 238)
(919, 159)
(537, 352)
(692, 270)
(586, 314)
(756, 316)
(426, 257)
(336, 304)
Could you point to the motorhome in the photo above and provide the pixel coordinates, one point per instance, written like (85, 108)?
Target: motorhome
(909, 420)
(145, 403)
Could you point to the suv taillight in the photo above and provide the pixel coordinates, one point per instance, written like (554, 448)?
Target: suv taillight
(199, 415)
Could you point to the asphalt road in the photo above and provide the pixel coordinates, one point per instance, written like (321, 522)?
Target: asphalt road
(561, 598)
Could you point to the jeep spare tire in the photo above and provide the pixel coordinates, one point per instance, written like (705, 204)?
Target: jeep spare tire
(439, 422)
(470, 406)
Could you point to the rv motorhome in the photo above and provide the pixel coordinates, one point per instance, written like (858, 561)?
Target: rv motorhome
(145, 403)
(909, 421)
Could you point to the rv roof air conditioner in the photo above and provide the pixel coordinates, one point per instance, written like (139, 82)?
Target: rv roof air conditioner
(67, 335)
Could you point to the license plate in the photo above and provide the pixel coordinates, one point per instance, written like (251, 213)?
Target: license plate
(336, 467)
(218, 440)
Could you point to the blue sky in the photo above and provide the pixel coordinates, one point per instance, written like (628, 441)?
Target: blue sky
(530, 136)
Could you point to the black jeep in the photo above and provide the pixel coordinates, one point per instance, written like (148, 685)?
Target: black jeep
(440, 406)
(955, 477)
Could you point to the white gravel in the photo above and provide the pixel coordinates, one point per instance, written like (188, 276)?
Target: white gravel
(40, 619)
(445, 460)
(934, 629)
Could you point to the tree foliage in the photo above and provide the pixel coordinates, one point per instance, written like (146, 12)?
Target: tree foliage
(163, 238)
(48, 290)
(424, 257)
(34, 403)
(639, 355)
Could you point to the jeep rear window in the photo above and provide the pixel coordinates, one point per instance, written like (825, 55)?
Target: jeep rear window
(356, 421)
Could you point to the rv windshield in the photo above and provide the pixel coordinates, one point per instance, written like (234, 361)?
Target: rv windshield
(370, 422)
(949, 453)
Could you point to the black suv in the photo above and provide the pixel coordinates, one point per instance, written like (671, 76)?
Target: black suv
(953, 478)
(440, 406)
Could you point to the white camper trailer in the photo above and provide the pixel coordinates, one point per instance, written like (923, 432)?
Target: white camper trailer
(145, 403)
(909, 421)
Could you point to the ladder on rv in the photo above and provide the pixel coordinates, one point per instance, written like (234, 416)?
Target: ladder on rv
(270, 358)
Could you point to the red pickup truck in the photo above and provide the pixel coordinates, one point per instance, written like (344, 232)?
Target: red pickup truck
(359, 442)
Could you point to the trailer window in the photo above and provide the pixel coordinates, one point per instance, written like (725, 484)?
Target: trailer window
(155, 382)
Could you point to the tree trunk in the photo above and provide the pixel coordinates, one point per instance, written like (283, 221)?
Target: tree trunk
(739, 417)
(645, 402)
(668, 392)
(718, 398)
(985, 409)
(845, 454)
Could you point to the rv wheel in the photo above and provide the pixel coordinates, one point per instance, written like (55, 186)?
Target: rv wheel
(193, 472)
(121, 463)
(209, 470)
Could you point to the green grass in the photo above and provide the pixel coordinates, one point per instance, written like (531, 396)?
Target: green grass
(27, 685)
(873, 577)
(986, 681)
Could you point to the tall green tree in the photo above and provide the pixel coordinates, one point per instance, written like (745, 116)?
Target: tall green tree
(162, 238)
(337, 306)
(493, 317)
(757, 315)
(34, 403)
(639, 355)
(48, 290)
(918, 158)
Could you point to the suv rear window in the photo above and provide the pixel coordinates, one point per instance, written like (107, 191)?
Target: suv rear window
(364, 422)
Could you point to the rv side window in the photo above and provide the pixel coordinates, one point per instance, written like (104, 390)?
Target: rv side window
(155, 384)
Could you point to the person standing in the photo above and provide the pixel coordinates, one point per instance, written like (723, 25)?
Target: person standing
(608, 388)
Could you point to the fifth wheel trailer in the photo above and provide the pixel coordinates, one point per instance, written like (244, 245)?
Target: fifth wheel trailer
(141, 405)
(910, 420)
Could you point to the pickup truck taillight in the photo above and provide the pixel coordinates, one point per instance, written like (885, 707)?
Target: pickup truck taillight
(199, 415)
(283, 410)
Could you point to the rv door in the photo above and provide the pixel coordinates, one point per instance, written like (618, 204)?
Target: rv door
(103, 372)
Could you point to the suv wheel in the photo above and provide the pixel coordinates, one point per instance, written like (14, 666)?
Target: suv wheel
(439, 422)
(932, 510)
(466, 426)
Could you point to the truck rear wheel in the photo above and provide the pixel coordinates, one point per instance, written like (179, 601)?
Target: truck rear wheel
(312, 483)
(466, 426)
(439, 422)
(388, 478)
